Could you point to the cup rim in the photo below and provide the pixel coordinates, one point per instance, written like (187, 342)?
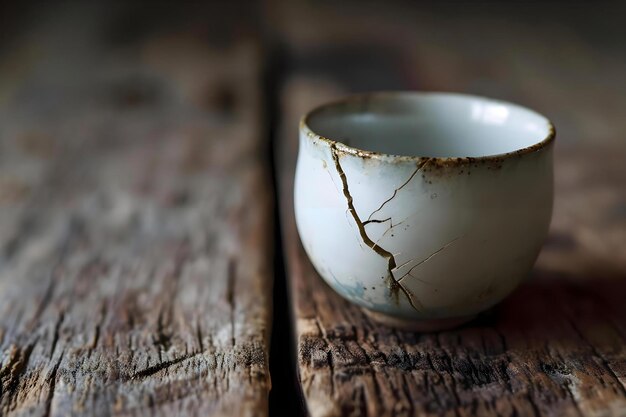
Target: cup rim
(440, 160)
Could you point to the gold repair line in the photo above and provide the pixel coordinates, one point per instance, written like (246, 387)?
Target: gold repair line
(391, 260)
(417, 169)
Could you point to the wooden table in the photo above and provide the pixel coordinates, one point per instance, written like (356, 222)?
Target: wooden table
(138, 234)
(135, 226)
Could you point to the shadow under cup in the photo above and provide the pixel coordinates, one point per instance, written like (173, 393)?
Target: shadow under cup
(423, 208)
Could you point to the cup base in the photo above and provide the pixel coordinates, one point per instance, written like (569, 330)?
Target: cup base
(433, 325)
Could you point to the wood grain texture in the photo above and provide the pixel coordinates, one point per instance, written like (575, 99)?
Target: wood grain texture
(135, 225)
(556, 346)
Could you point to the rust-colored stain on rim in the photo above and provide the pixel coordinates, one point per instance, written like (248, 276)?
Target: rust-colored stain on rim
(434, 160)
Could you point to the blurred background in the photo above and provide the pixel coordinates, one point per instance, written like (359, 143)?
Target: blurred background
(565, 59)
(81, 67)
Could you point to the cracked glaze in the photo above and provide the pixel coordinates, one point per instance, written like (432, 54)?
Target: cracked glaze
(393, 284)
(421, 237)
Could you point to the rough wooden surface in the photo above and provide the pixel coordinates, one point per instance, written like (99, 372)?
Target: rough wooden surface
(556, 347)
(135, 225)
(135, 232)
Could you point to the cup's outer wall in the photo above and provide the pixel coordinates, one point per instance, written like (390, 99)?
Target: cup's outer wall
(452, 239)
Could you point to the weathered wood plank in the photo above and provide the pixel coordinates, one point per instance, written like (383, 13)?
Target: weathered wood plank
(135, 225)
(557, 345)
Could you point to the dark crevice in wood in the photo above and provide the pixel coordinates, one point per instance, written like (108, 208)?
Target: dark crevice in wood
(151, 370)
(52, 380)
(230, 296)
(55, 335)
(199, 336)
(286, 397)
(97, 329)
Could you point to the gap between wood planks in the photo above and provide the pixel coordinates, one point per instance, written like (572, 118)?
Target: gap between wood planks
(285, 397)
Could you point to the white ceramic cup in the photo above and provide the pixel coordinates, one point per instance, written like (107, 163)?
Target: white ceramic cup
(423, 208)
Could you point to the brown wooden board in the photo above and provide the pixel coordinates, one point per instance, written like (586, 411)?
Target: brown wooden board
(135, 219)
(556, 346)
